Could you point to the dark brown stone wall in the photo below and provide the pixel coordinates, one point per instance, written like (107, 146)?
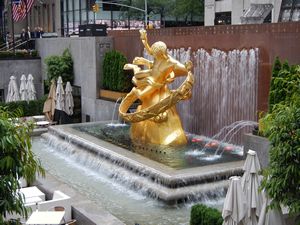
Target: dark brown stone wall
(276, 39)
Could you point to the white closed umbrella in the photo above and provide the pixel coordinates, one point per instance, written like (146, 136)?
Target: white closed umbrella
(23, 88)
(13, 92)
(270, 216)
(234, 209)
(60, 95)
(31, 93)
(69, 102)
(250, 185)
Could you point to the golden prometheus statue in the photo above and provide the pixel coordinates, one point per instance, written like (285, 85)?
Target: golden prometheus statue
(156, 121)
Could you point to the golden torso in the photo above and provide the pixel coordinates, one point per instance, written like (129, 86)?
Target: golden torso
(169, 130)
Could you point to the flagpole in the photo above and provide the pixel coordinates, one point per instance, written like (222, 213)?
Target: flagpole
(12, 25)
(26, 11)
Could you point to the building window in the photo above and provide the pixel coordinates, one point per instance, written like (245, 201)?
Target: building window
(223, 18)
(74, 13)
(290, 10)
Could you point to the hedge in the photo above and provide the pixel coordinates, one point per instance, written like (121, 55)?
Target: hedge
(31, 108)
(203, 215)
(19, 54)
(114, 78)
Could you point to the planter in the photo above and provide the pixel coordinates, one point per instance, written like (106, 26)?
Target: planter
(111, 95)
(259, 144)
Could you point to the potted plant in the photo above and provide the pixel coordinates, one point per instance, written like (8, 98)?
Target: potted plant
(116, 82)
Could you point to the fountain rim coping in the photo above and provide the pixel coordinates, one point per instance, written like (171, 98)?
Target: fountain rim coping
(142, 161)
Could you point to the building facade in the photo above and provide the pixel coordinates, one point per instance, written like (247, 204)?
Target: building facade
(63, 17)
(244, 11)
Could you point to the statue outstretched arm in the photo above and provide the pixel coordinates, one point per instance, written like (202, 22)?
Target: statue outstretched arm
(145, 41)
(180, 69)
(142, 61)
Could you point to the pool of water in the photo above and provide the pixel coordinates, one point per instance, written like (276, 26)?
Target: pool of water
(200, 151)
(130, 206)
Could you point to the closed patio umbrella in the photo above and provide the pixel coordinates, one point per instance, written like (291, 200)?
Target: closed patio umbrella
(270, 216)
(234, 209)
(60, 95)
(49, 105)
(69, 102)
(23, 88)
(250, 185)
(13, 92)
(31, 93)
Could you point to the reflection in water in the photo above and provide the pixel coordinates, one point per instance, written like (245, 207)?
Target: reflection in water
(199, 151)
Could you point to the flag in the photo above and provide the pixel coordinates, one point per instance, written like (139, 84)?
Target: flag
(19, 9)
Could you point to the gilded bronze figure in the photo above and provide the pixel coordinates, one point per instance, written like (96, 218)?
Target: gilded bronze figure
(156, 120)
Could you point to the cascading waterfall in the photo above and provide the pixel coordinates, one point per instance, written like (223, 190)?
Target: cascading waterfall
(118, 174)
(225, 89)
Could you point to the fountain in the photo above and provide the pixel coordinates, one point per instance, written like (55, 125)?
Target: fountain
(225, 89)
(154, 154)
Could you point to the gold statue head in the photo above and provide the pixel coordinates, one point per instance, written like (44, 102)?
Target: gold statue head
(159, 49)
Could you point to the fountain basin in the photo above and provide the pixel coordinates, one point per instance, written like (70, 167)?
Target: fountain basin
(157, 180)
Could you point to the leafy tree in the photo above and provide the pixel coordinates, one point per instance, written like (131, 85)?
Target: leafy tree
(282, 178)
(133, 13)
(282, 127)
(16, 161)
(284, 83)
(276, 69)
(186, 9)
(60, 66)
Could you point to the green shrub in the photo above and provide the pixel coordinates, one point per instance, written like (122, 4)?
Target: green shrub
(114, 78)
(31, 108)
(59, 66)
(282, 177)
(20, 54)
(203, 215)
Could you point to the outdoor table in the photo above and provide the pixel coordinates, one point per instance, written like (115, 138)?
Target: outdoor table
(42, 123)
(46, 217)
(30, 192)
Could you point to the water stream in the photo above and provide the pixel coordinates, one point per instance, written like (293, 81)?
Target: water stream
(114, 112)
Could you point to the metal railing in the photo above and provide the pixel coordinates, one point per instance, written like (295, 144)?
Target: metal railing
(18, 43)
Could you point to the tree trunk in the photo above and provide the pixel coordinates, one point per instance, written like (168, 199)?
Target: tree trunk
(162, 22)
